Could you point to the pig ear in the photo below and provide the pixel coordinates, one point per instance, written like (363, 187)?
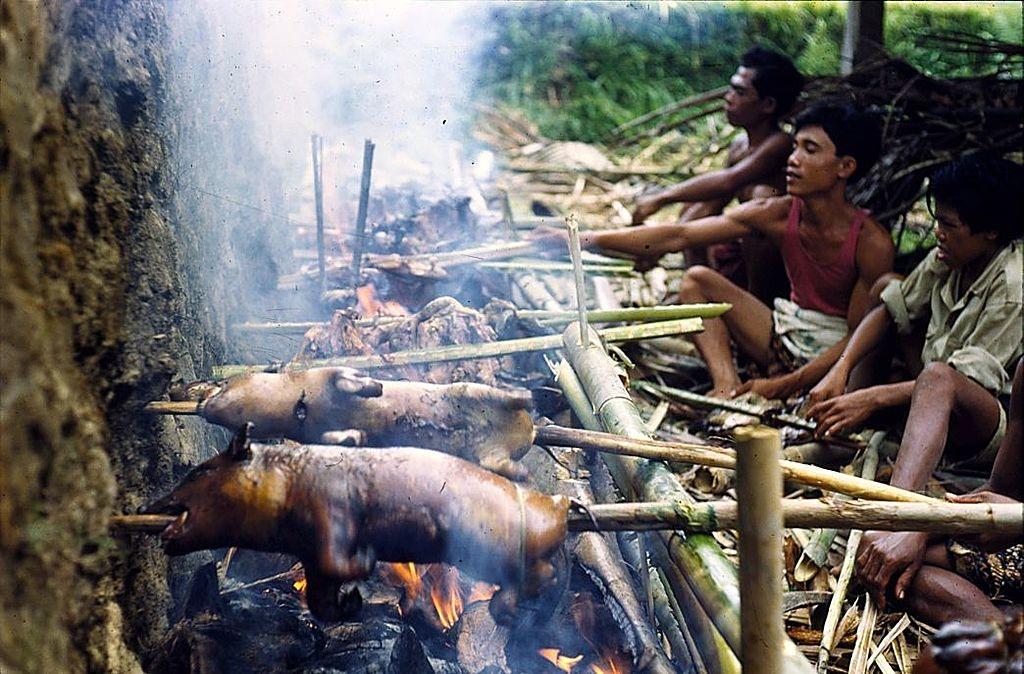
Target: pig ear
(239, 448)
(351, 382)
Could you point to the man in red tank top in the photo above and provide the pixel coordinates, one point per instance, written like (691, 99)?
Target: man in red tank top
(833, 253)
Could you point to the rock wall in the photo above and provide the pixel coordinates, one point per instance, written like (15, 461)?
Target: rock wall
(114, 280)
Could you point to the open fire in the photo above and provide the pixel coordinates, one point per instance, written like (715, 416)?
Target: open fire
(447, 590)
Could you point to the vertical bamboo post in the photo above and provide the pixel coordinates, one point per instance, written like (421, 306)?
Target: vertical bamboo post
(318, 194)
(364, 200)
(759, 491)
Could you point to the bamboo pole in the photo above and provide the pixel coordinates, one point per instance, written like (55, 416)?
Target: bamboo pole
(547, 316)
(689, 102)
(364, 203)
(709, 646)
(470, 351)
(711, 576)
(835, 607)
(938, 517)
(579, 278)
(318, 192)
(554, 265)
(759, 489)
(708, 516)
(822, 478)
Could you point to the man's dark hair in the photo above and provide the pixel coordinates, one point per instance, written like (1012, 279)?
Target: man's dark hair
(775, 76)
(985, 191)
(855, 133)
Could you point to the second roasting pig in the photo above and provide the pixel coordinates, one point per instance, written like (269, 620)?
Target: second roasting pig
(335, 405)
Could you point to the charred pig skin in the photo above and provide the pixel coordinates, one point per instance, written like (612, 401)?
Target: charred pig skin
(480, 423)
(342, 509)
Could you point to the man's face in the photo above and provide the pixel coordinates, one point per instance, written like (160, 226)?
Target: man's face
(958, 245)
(743, 105)
(813, 165)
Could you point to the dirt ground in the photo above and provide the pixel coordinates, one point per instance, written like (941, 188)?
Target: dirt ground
(114, 280)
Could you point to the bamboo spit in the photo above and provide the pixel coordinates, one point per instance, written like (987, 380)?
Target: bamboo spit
(759, 489)
(364, 203)
(549, 317)
(822, 478)
(938, 517)
(469, 351)
(709, 573)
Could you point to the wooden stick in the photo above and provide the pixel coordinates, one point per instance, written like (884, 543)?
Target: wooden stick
(937, 517)
(143, 524)
(553, 265)
(759, 489)
(172, 407)
(766, 416)
(828, 480)
(835, 607)
(470, 351)
(364, 201)
(688, 102)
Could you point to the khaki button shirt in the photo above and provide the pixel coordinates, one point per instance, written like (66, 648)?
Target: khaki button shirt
(978, 334)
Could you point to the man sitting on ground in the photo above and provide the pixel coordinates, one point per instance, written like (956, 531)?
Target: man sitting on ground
(761, 92)
(833, 253)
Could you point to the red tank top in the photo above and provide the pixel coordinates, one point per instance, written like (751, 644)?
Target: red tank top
(822, 286)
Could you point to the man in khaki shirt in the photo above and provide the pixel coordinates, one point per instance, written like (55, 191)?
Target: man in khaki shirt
(970, 289)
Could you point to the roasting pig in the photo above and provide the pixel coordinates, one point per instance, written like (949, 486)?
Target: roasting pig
(341, 509)
(337, 405)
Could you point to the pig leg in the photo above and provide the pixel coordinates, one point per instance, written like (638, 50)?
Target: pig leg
(324, 601)
(337, 557)
(501, 464)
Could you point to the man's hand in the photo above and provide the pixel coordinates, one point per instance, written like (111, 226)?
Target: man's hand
(887, 555)
(987, 542)
(831, 386)
(838, 415)
(645, 208)
(774, 388)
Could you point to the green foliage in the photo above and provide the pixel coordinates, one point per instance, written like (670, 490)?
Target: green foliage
(580, 69)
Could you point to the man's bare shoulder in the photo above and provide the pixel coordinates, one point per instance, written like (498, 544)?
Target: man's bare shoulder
(874, 246)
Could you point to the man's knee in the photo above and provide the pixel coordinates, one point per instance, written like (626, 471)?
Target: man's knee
(938, 379)
(701, 277)
(875, 294)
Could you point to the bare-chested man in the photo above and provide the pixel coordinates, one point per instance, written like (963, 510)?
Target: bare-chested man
(761, 92)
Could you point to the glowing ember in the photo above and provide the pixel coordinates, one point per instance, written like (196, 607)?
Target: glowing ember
(563, 662)
(481, 592)
(300, 585)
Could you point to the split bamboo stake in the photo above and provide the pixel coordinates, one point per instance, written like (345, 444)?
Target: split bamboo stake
(553, 265)
(938, 517)
(822, 478)
(711, 576)
(835, 606)
(759, 489)
(172, 407)
(507, 347)
(579, 278)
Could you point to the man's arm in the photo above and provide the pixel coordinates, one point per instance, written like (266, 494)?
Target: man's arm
(654, 241)
(759, 166)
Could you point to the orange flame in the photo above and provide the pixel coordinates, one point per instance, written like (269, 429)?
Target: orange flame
(448, 604)
(300, 585)
(563, 662)
(369, 305)
(612, 664)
